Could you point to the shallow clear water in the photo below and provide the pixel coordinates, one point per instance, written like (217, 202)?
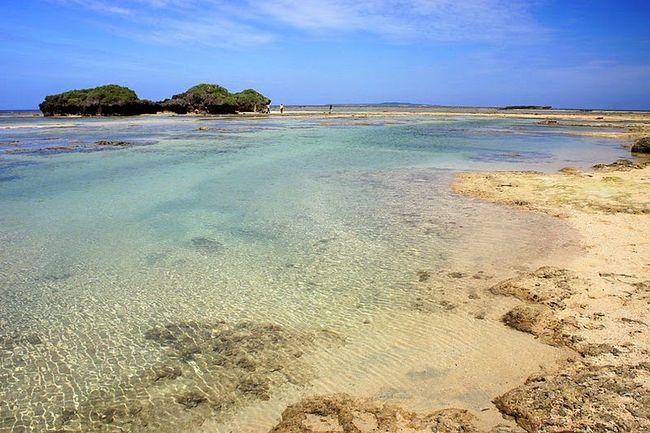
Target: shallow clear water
(209, 277)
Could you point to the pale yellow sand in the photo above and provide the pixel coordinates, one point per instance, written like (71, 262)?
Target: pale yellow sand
(596, 304)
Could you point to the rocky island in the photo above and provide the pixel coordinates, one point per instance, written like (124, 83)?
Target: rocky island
(114, 100)
(214, 99)
(109, 100)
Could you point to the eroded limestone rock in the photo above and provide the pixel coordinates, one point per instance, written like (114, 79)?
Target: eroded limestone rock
(342, 413)
(582, 399)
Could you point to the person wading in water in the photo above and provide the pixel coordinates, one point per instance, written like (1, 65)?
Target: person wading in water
(330, 109)
(281, 108)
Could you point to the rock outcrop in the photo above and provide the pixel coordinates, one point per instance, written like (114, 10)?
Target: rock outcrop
(345, 414)
(114, 100)
(621, 165)
(582, 398)
(642, 145)
(251, 100)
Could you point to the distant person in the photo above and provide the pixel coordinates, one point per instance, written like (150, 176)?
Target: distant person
(268, 108)
(330, 112)
(281, 108)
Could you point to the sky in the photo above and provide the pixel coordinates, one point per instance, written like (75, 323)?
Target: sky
(570, 54)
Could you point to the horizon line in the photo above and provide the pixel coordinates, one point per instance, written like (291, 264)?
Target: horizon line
(414, 104)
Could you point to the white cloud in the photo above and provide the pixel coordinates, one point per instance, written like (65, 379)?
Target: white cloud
(210, 30)
(98, 6)
(261, 21)
(441, 20)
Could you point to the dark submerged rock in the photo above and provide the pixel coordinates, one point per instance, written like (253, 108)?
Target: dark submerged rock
(423, 276)
(117, 143)
(642, 145)
(206, 245)
(254, 387)
(204, 370)
(191, 399)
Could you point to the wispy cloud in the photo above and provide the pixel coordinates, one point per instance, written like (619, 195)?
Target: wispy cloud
(208, 30)
(440, 20)
(98, 6)
(219, 22)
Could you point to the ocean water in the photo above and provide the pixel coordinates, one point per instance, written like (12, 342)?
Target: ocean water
(209, 271)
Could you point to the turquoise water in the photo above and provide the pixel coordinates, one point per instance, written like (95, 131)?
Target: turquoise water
(261, 247)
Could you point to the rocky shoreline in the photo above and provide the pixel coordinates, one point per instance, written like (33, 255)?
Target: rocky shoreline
(597, 306)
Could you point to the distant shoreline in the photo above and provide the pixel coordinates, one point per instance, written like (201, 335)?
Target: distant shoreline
(627, 125)
(388, 106)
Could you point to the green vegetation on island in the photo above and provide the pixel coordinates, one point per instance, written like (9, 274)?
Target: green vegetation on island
(109, 100)
(251, 100)
(215, 99)
(114, 100)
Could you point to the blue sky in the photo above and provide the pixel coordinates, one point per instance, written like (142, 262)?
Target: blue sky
(450, 52)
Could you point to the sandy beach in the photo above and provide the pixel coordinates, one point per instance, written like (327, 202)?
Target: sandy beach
(596, 304)
(593, 303)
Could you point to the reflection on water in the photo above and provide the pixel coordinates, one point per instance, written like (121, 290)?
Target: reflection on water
(231, 266)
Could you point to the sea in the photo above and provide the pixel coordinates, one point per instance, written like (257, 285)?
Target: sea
(188, 273)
